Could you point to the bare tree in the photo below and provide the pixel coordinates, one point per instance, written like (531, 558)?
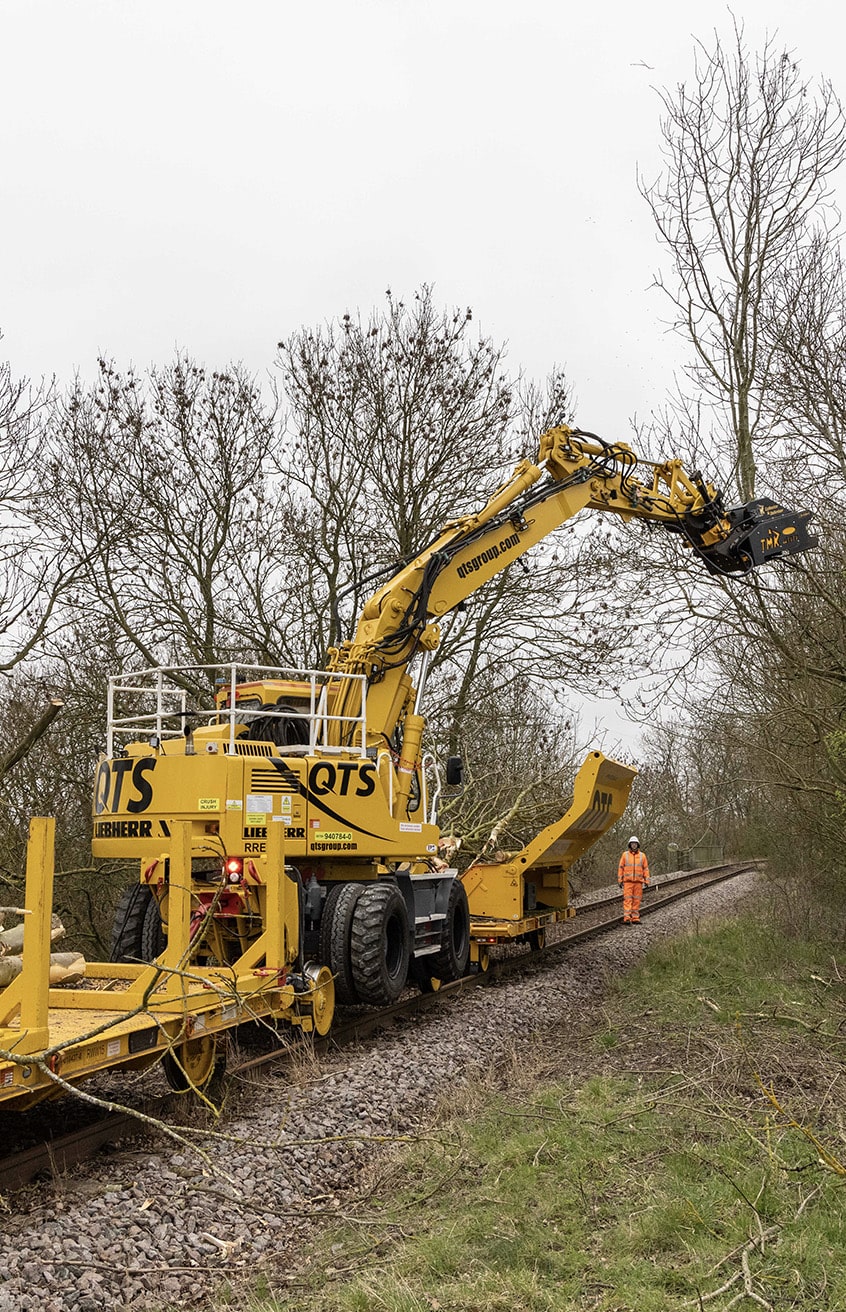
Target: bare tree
(521, 757)
(34, 569)
(55, 777)
(744, 208)
(749, 149)
(37, 571)
(165, 490)
(397, 423)
(807, 338)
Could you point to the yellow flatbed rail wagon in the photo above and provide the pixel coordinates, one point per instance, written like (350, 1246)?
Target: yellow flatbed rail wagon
(130, 1015)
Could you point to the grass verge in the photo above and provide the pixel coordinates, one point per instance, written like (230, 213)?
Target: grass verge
(686, 1150)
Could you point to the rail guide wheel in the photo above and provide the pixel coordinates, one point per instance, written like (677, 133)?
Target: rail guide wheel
(424, 979)
(484, 961)
(537, 939)
(190, 1065)
(321, 996)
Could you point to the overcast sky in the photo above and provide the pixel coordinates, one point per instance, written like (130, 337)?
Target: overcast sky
(211, 176)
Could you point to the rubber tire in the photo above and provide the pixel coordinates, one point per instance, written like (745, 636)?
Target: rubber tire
(137, 933)
(327, 915)
(153, 939)
(380, 946)
(340, 948)
(454, 957)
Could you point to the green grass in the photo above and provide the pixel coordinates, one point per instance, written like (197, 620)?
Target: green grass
(626, 1172)
(741, 967)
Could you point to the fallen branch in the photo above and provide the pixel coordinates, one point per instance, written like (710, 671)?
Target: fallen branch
(30, 738)
(826, 1157)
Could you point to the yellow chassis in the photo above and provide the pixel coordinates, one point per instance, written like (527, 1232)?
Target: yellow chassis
(493, 931)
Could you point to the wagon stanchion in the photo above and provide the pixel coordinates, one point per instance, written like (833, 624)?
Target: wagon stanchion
(28, 994)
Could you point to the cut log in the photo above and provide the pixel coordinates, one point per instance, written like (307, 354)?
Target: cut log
(65, 968)
(11, 940)
(9, 968)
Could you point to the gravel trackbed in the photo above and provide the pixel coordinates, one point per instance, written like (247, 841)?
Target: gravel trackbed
(157, 1227)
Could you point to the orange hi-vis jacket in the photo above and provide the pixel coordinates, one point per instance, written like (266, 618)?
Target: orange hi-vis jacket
(633, 865)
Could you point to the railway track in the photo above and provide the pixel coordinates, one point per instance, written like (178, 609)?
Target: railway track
(58, 1154)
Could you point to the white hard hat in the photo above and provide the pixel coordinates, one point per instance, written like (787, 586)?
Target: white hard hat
(634, 839)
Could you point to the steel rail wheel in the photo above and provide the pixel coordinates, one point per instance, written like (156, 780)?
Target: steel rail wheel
(190, 1065)
(420, 973)
(322, 996)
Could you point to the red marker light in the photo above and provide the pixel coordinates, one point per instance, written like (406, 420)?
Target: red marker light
(234, 869)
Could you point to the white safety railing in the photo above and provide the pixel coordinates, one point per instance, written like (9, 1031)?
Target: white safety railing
(163, 701)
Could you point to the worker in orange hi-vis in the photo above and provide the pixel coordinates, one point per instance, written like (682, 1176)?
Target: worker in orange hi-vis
(633, 874)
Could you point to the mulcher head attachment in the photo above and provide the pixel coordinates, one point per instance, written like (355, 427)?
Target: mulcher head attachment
(747, 536)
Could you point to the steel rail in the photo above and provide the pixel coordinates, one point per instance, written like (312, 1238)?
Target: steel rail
(57, 1155)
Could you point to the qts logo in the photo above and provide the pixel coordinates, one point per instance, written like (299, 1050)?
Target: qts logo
(124, 785)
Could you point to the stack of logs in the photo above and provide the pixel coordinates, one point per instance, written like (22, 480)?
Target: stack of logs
(65, 967)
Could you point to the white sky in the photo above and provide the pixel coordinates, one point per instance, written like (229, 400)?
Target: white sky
(212, 176)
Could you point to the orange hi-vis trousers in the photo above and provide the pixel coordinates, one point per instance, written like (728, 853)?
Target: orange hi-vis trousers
(633, 874)
(632, 894)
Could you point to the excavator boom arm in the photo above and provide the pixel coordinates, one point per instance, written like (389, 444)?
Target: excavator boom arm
(575, 471)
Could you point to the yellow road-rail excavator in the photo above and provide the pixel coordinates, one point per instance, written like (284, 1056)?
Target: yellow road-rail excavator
(336, 758)
(286, 822)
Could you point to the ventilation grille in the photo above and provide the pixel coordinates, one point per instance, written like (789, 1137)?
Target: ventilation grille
(253, 749)
(271, 781)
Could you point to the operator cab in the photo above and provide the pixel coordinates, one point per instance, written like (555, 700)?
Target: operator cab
(274, 711)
